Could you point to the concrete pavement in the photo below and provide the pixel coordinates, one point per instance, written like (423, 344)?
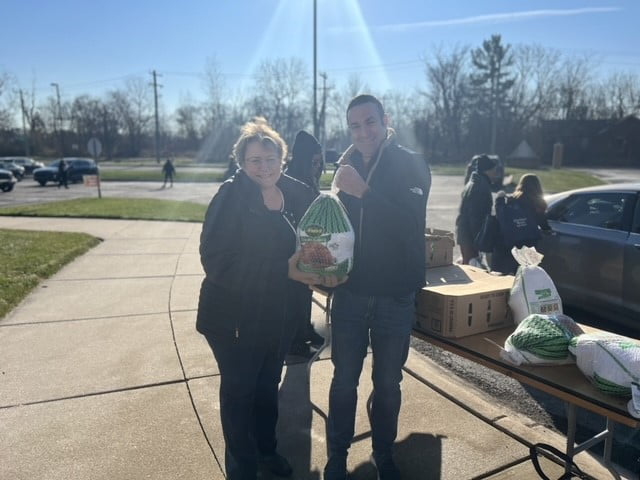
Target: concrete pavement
(103, 376)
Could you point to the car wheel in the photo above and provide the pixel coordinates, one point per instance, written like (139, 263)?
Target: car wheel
(42, 182)
(7, 187)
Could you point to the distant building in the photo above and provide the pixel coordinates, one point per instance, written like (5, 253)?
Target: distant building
(523, 157)
(594, 142)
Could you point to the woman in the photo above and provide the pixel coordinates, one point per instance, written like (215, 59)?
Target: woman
(247, 251)
(306, 165)
(528, 194)
(475, 205)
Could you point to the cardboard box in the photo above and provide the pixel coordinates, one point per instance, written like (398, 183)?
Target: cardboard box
(439, 247)
(460, 300)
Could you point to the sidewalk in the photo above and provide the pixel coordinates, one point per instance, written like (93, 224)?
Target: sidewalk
(103, 376)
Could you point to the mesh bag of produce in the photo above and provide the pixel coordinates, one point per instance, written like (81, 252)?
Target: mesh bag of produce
(541, 340)
(533, 290)
(326, 238)
(610, 361)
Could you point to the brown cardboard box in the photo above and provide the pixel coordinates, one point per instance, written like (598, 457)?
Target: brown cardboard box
(460, 300)
(439, 245)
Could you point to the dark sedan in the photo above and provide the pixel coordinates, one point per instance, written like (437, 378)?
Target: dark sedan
(28, 163)
(77, 167)
(593, 251)
(17, 170)
(7, 180)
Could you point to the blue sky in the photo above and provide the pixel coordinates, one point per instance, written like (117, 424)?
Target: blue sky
(91, 47)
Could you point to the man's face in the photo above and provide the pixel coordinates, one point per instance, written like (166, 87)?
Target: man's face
(492, 173)
(368, 129)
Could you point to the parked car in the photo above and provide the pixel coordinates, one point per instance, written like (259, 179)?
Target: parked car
(17, 170)
(7, 180)
(28, 163)
(77, 167)
(593, 252)
(498, 182)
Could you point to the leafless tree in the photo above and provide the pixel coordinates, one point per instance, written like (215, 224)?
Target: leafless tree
(133, 108)
(621, 93)
(574, 79)
(6, 117)
(536, 69)
(448, 93)
(282, 95)
(86, 118)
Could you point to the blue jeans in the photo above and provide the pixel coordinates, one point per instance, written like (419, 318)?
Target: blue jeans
(387, 322)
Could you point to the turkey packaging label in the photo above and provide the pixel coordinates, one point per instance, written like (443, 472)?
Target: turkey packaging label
(326, 238)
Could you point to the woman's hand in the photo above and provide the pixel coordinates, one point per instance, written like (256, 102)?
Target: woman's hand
(331, 281)
(296, 274)
(299, 276)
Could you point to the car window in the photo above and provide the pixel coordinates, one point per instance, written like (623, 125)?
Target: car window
(595, 209)
(636, 218)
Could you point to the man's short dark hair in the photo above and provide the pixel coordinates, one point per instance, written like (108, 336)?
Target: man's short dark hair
(366, 98)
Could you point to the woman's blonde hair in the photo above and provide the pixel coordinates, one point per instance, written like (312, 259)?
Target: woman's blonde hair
(258, 130)
(530, 187)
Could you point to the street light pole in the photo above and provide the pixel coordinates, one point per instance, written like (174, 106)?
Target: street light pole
(315, 70)
(60, 132)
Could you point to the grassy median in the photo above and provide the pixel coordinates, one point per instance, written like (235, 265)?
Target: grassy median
(30, 257)
(121, 208)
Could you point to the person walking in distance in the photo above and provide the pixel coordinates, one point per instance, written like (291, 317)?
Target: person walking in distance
(63, 172)
(384, 188)
(169, 171)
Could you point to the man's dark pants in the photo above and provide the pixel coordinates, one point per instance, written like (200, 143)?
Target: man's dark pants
(355, 319)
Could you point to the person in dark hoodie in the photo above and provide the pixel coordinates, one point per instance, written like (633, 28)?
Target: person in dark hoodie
(306, 165)
(247, 250)
(475, 205)
(384, 188)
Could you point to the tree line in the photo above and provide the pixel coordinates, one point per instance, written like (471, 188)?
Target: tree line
(472, 99)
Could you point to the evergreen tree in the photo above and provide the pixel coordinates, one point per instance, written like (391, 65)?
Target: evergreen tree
(492, 81)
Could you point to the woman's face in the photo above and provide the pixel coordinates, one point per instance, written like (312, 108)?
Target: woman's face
(262, 164)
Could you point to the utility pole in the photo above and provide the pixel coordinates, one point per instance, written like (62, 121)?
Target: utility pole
(323, 110)
(155, 101)
(315, 70)
(59, 123)
(24, 127)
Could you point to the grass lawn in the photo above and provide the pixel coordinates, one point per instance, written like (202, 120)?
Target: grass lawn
(183, 175)
(29, 257)
(553, 181)
(123, 208)
(560, 180)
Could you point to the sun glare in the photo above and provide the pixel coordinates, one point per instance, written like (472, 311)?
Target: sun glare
(344, 42)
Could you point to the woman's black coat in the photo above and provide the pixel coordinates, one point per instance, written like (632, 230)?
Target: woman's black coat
(244, 249)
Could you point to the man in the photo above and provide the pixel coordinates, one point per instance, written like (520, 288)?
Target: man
(475, 205)
(63, 172)
(169, 170)
(384, 188)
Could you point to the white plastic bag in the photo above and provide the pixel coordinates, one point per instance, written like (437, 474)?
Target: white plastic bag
(610, 361)
(533, 290)
(541, 340)
(326, 238)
